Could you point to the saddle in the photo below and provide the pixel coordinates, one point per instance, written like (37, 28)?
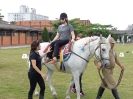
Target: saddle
(64, 54)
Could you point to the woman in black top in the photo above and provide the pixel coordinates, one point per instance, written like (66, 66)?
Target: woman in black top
(35, 75)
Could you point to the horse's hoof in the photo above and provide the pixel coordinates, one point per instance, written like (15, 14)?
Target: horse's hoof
(54, 96)
(67, 97)
(36, 94)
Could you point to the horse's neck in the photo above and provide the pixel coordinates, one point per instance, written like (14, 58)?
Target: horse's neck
(93, 46)
(89, 49)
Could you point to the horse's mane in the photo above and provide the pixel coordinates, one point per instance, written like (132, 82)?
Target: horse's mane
(86, 40)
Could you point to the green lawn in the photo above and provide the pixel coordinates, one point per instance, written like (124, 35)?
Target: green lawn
(14, 83)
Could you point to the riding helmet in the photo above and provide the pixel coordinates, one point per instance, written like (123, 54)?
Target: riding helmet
(63, 15)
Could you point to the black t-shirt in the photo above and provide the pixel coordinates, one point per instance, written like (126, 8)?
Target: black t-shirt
(35, 56)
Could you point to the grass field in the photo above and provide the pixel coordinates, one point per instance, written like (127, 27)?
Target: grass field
(14, 83)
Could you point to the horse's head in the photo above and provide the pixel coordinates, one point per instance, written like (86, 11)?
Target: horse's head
(102, 51)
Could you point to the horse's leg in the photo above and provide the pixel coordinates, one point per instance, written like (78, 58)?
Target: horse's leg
(76, 81)
(69, 88)
(49, 74)
(36, 92)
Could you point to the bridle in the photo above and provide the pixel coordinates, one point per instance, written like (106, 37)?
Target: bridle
(101, 58)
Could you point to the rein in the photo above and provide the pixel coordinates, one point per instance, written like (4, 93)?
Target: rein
(80, 56)
(104, 82)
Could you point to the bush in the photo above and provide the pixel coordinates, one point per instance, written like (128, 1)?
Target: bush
(45, 35)
(53, 36)
(40, 40)
(114, 36)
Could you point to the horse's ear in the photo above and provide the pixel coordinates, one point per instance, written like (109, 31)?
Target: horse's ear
(109, 37)
(100, 36)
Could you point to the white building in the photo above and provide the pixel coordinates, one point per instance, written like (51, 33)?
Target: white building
(26, 15)
(130, 27)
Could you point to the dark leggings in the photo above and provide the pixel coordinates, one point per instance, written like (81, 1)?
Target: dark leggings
(35, 78)
(55, 47)
(80, 83)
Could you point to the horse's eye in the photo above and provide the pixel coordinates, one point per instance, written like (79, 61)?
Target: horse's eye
(103, 49)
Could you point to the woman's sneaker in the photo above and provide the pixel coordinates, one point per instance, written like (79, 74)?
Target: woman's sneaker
(73, 90)
(82, 94)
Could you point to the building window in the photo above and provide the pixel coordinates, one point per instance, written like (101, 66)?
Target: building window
(35, 34)
(31, 34)
(2, 33)
(13, 34)
(8, 33)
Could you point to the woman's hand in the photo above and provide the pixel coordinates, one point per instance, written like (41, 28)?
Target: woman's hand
(49, 49)
(72, 40)
(98, 67)
(43, 76)
(122, 67)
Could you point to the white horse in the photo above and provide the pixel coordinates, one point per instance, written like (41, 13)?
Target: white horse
(77, 63)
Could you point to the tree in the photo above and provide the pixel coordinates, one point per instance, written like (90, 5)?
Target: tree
(91, 29)
(77, 25)
(101, 29)
(55, 27)
(45, 35)
(13, 22)
(1, 16)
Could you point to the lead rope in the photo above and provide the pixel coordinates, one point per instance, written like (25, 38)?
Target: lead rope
(104, 82)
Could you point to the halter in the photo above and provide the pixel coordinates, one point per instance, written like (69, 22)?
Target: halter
(101, 58)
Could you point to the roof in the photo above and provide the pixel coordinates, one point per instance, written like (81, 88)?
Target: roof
(18, 27)
(122, 31)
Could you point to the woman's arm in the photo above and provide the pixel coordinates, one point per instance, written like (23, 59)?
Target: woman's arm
(119, 64)
(73, 35)
(33, 62)
(97, 65)
(56, 37)
(35, 67)
(44, 54)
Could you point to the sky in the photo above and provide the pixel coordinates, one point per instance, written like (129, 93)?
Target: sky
(118, 13)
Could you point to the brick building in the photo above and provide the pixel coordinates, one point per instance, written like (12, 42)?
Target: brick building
(44, 23)
(24, 32)
(17, 35)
